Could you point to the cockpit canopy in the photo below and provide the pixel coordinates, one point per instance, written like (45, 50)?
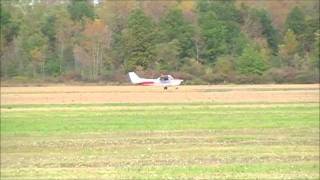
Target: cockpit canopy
(165, 77)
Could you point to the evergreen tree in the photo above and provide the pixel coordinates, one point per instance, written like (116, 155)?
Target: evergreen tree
(296, 21)
(9, 28)
(167, 55)
(48, 29)
(220, 28)
(251, 62)
(80, 9)
(310, 33)
(315, 54)
(226, 10)
(269, 32)
(174, 26)
(138, 41)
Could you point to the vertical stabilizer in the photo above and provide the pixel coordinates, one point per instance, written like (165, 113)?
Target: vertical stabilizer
(134, 78)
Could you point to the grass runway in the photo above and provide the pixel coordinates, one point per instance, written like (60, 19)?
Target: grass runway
(160, 141)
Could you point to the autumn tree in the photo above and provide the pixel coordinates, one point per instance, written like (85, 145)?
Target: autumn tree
(33, 44)
(203, 41)
(224, 69)
(66, 35)
(156, 9)
(115, 14)
(289, 48)
(94, 44)
(36, 50)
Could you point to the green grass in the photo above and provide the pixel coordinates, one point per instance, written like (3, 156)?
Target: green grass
(155, 118)
(161, 141)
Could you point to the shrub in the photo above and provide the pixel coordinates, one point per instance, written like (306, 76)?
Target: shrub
(283, 75)
(307, 77)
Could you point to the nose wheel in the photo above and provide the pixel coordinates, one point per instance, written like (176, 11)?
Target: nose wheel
(165, 88)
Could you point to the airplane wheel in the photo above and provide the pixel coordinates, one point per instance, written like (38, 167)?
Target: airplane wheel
(165, 88)
(177, 87)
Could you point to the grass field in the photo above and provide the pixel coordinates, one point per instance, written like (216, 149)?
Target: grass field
(157, 140)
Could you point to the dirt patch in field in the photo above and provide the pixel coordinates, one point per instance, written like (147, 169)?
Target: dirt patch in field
(140, 94)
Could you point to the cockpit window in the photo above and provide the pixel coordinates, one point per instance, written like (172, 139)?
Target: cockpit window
(164, 78)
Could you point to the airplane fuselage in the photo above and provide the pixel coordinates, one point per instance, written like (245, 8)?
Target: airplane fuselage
(158, 82)
(164, 80)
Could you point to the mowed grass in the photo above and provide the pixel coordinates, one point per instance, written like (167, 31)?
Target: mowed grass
(161, 141)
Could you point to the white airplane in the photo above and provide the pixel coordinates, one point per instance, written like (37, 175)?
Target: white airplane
(164, 80)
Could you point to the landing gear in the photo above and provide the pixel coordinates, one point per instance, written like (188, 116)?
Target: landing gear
(176, 87)
(165, 88)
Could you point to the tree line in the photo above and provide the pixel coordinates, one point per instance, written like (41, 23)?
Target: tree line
(203, 42)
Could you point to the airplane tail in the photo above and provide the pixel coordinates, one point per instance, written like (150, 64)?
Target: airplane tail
(134, 78)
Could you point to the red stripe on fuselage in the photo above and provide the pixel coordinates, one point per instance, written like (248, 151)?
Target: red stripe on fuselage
(147, 83)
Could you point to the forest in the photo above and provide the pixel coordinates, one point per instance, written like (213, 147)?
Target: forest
(203, 42)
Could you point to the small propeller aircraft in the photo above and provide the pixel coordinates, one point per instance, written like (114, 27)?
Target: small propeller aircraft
(163, 80)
